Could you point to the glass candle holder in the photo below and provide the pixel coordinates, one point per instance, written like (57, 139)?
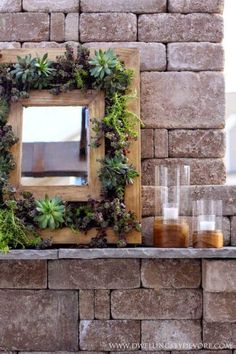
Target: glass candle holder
(169, 229)
(207, 224)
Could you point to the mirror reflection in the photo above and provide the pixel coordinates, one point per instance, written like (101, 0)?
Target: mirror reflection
(55, 146)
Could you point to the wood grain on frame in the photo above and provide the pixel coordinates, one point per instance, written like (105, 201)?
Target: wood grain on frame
(131, 59)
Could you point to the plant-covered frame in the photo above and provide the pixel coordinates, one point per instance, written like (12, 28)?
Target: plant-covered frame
(94, 100)
(130, 58)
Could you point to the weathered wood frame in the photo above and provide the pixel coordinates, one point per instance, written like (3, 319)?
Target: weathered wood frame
(131, 58)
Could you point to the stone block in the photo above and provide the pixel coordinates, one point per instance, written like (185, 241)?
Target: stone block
(116, 27)
(51, 5)
(94, 274)
(23, 274)
(175, 100)
(152, 55)
(219, 276)
(135, 6)
(57, 27)
(102, 304)
(219, 307)
(72, 27)
(195, 56)
(41, 320)
(10, 5)
(171, 334)
(10, 45)
(233, 231)
(24, 27)
(86, 305)
(168, 27)
(143, 304)
(218, 334)
(188, 6)
(203, 171)
(40, 45)
(197, 143)
(161, 143)
(106, 335)
(171, 273)
(147, 140)
(147, 231)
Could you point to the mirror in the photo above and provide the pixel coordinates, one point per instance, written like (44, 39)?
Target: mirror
(55, 146)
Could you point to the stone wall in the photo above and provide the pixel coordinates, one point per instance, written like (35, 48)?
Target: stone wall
(95, 306)
(122, 305)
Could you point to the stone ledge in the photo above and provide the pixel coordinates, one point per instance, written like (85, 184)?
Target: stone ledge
(116, 253)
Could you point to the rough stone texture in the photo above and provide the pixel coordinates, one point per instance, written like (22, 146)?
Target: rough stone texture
(195, 56)
(233, 231)
(10, 45)
(23, 274)
(170, 334)
(219, 276)
(86, 304)
(41, 320)
(170, 273)
(156, 304)
(51, 5)
(219, 307)
(203, 171)
(152, 55)
(186, 6)
(24, 27)
(141, 352)
(161, 143)
(101, 335)
(10, 5)
(40, 45)
(219, 333)
(29, 254)
(96, 274)
(180, 28)
(102, 304)
(187, 95)
(147, 140)
(197, 143)
(203, 352)
(115, 27)
(72, 27)
(136, 6)
(57, 27)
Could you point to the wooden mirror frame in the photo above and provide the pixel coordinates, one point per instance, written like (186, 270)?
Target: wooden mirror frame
(95, 102)
(131, 59)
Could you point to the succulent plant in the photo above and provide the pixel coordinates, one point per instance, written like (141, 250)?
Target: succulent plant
(50, 212)
(103, 64)
(4, 110)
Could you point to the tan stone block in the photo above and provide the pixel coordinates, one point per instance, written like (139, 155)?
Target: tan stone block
(57, 27)
(219, 276)
(94, 274)
(40, 45)
(111, 27)
(10, 5)
(156, 304)
(171, 273)
(161, 143)
(219, 307)
(43, 320)
(169, 334)
(24, 27)
(147, 139)
(10, 45)
(103, 335)
(152, 55)
(178, 100)
(135, 6)
(219, 334)
(23, 274)
(51, 5)
(180, 28)
(187, 6)
(72, 27)
(195, 56)
(197, 143)
(203, 171)
(86, 304)
(102, 304)
(233, 231)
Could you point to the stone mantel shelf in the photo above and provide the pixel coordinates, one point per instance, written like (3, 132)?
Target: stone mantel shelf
(139, 252)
